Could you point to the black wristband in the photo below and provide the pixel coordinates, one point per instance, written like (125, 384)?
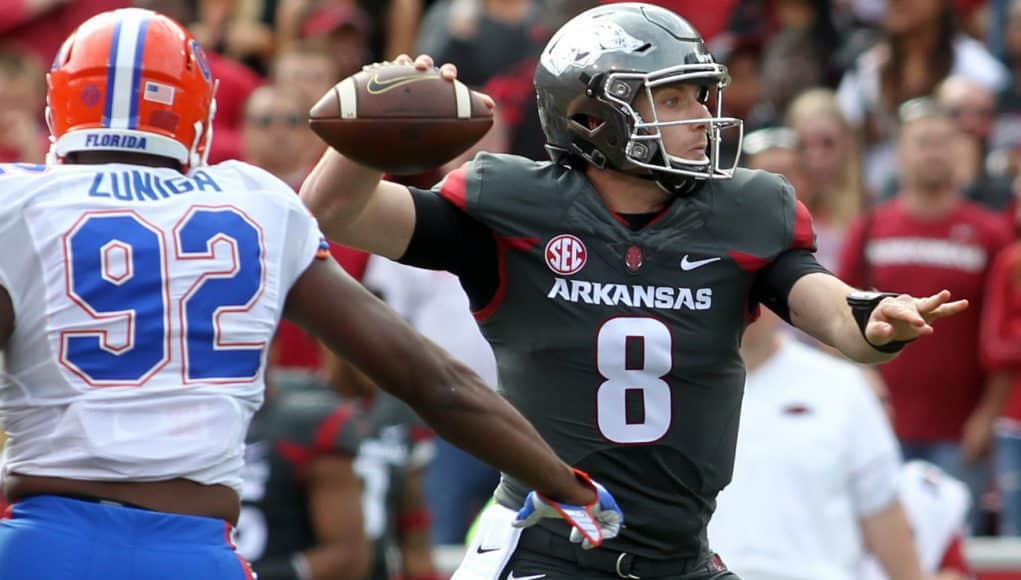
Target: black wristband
(862, 304)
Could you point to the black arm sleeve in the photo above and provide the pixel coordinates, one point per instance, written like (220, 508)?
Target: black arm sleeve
(774, 282)
(446, 238)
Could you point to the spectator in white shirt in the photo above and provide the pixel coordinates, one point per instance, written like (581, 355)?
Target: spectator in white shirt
(815, 477)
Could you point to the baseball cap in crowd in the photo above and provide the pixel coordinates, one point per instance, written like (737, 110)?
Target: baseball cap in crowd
(921, 108)
(769, 138)
(327, 18)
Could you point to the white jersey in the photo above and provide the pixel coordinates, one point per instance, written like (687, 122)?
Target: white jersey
(936, 505)
(434, 303)
(144, 302)
(815, 454)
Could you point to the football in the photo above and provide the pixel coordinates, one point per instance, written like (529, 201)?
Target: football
(400, 120)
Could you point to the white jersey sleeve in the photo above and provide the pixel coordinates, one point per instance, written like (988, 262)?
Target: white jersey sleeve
(936, 505)
(145, 301)
(874, 453)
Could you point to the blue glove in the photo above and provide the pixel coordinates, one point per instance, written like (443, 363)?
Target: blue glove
(590, 524)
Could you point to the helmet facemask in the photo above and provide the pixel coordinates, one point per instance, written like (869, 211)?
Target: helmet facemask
(592, 74)
(645, 151)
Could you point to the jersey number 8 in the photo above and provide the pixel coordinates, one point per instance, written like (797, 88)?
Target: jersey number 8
(643, 378)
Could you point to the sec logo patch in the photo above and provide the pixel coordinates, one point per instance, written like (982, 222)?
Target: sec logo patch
(566, 254)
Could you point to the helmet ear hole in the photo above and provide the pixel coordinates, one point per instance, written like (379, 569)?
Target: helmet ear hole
(588, 123)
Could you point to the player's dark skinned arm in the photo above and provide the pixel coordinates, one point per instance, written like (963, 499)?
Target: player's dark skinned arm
(446, 393)
(335, 508)
(818, 305)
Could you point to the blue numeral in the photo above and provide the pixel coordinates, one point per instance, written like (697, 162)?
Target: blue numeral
(118, 266)
(129, 283)
(205, 361)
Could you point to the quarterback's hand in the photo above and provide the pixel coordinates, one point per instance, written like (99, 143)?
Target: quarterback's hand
(590, 523)
(425, 62)
(907, 318)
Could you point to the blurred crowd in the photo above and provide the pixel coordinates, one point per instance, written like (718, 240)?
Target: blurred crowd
(898, 122)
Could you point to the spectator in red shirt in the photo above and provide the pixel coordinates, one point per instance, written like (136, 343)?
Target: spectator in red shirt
(1001, 353)
(928, 237)
(40, 26)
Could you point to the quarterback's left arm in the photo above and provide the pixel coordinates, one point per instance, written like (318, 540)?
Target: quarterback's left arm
(818, 305)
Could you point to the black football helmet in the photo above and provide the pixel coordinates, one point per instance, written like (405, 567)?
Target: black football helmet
(596, 66)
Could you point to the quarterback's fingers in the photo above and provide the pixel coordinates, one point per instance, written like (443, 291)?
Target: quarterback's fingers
(403, 59)
(948, 309)
(930, 303)
(424, 62)
(902, 309)
(448, 71)
(490, 103)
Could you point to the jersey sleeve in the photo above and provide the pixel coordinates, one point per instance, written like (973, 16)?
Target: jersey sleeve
(802, 233)
(304, 242)
(874, 456)
(322, 429)
(16, 184)
(447, 236)
(796, 256)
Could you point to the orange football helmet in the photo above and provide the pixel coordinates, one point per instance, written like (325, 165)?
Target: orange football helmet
(131, 80)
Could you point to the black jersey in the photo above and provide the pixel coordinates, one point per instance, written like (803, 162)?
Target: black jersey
(621, 345)
(398, 442)
(291, 430)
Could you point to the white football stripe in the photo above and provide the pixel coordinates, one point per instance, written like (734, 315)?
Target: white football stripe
(124, 59)
(347, 95)
(464, 100)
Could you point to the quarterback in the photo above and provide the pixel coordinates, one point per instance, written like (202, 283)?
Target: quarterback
(614, 283)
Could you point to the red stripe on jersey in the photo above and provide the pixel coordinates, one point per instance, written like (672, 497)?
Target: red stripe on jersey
(8, 512)
(503, 245)
(953, 558)
(748, 262)
(296, 454)
(455, 187)
(804, 236)
(325, 439)
(519, 244)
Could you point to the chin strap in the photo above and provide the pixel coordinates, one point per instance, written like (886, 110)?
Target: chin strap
(680, 185)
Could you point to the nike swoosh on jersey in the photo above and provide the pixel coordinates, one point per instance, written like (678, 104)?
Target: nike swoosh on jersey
(376, 86)
(481, 550)
(511, 576)
(691, 265)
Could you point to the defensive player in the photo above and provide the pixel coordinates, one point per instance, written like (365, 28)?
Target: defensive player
(139, 292)
(614, 284)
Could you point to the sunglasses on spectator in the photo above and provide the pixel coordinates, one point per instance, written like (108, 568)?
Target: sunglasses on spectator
(977, 111)
(292, 121)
